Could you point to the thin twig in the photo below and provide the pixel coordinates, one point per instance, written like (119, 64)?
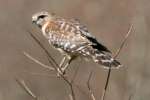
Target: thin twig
(26, 88)
(115, 56)
(72, 96)
(75, 74)
(55, 66)
(130, 97)
(38, 62)
(39, 74)
(66, 80)
(89, 88)
(123, 42)
(52, 61)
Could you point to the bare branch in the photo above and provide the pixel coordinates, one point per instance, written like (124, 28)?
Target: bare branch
(52, 61)
(75, 74)
(55, 66)
(26, 88)
(72, 95)
(38, 62)
(115, 56)
(130, 97)
(66, 80)
(89, 88)
(123, 42)
(39, 74)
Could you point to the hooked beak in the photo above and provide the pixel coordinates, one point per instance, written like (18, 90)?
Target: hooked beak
(33, 22)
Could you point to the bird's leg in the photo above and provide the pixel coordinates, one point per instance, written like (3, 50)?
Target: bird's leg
(68, 63)
(62, 62)
(61, 65)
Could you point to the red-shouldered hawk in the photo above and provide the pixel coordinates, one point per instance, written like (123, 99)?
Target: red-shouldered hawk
(73, 39)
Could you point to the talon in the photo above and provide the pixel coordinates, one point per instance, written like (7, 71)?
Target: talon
(60, 71)
(64, 72)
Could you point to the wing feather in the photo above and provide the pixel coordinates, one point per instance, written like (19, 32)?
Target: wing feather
(75, 27)
(86, 33)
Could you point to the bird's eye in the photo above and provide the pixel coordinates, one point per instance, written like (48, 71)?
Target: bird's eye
(42, 16)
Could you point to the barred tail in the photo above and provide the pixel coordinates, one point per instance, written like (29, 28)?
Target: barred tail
(100, 57)
(106, 60)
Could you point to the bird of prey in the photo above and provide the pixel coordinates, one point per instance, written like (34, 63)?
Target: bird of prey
(73, 40)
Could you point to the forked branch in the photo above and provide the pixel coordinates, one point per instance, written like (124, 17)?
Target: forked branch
(38, 62)
(115, 56)
(55, 66)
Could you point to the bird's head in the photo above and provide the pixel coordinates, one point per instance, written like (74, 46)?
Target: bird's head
(41, 17)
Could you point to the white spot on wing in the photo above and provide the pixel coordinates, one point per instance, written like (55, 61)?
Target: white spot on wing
(67, 27)
(88, 53)
(80, 48)
(106, 61)
(72, 29)
(66, 45)
(62, 25)
(72, 46)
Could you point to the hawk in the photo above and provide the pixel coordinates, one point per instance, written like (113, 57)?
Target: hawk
(73, 40)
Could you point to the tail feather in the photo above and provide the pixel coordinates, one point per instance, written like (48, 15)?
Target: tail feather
(100, 57)
(106, 60)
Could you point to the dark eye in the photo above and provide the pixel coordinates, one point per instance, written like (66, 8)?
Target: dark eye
(42, 16)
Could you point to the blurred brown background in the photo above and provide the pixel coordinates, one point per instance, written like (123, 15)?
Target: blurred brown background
(108, 20)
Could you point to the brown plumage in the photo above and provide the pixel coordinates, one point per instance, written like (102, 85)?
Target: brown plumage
(73, 39)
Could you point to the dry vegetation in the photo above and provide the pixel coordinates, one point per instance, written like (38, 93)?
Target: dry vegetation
(28, 65)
